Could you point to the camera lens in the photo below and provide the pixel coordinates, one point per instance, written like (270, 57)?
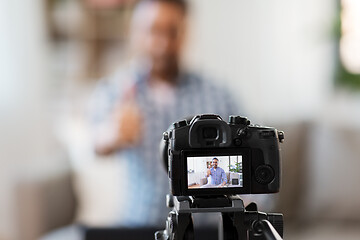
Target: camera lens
(210, 133)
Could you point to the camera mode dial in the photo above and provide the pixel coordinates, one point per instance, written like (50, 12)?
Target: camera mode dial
(264, 174)
(239, 120)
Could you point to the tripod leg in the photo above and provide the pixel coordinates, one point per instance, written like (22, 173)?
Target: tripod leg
(187, 228)
(184, 228)
(232, 227)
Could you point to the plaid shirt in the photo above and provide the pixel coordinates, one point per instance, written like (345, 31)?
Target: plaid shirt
(146, 182)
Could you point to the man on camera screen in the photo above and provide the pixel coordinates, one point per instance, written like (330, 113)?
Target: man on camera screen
(218, 176)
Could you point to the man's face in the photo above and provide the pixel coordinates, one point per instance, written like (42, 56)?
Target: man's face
(215, 163)
(161, 28)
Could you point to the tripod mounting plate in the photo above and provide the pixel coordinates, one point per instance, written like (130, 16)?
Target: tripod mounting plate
(201, 205)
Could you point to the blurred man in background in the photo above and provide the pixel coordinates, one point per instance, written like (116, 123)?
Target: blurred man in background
(139, 104)
(130, 110)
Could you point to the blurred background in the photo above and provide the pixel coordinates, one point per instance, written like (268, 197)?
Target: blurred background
(291, 64)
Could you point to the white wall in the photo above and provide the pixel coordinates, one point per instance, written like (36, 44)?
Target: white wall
(27, 146)
(276, 56)
(198, 164)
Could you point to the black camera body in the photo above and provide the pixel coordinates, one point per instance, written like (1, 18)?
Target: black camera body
(248, 157)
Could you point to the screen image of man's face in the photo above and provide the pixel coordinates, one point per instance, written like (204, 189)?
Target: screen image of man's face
(215, 163)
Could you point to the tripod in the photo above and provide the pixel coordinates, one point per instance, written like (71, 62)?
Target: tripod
(238, 222)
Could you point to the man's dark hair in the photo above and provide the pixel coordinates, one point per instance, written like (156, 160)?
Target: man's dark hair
(181, 4)
(215, 159)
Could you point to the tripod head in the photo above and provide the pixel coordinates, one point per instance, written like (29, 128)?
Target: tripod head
(238, 222)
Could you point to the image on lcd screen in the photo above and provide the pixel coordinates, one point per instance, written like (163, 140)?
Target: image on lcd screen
(214, 171)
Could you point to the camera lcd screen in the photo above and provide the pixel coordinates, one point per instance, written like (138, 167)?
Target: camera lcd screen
(215, 171)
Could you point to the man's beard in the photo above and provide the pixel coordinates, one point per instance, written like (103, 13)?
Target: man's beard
(166, 67)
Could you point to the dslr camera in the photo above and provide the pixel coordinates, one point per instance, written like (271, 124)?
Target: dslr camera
(207, 156)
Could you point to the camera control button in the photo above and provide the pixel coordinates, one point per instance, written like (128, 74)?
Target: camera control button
(244, 121)
(264, 174)
(232, 119)
(182, 123)
(237, 141)
(281, 136)
(179, 124)
(243, 133)
(165, 136)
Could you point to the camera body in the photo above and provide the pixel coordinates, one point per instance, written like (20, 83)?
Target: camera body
(206, 156)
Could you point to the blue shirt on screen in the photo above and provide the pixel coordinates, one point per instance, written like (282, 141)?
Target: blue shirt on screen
(218, 176)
